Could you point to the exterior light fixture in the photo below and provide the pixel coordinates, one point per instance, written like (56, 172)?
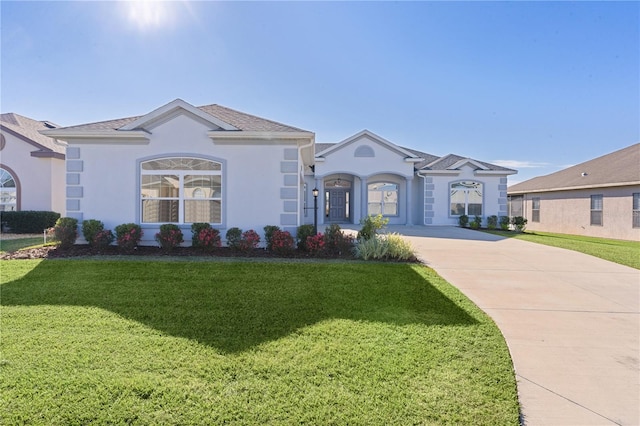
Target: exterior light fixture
(315, 193)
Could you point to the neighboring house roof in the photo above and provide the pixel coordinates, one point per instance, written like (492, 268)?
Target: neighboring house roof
(618, 168)
(240, 120)
(28, 130)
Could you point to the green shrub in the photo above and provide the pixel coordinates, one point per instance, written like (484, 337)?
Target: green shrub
(463, 221)
(196, 228)
(519, 222)
(234, 236)
(207, 239)
(90, 228)
(476, 223)
(371, 225)
(28, 221)
(268, 234)
(128, 236)
(492, 222)
(504, 223)
(385, 247)
(282, 242)
(250, 240)
(66, 231)
(337, 242)
(103, 239)
(302, 233)
(169, 237)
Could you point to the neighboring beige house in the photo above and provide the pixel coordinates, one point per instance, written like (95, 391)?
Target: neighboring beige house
(32, 166)
(598, 198)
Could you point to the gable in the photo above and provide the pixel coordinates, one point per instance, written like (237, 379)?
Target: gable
(366, 144)
(172, 110)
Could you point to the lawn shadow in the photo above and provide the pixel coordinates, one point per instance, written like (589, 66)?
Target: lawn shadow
(237, 306)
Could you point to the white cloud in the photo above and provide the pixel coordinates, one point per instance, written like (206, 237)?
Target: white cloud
(518, 164)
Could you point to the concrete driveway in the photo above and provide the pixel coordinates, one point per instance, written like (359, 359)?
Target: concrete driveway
(571, 321)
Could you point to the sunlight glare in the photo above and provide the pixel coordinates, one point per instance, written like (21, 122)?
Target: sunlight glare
(150, 14)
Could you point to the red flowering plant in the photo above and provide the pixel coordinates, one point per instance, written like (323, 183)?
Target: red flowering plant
(250, 240)
(128, 235)
(282, 242)
(102, 239)
(208, 239)
(315, 244)
(169, 237)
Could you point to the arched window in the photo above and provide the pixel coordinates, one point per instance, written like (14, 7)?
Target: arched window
(466, 198)
(181, 190)
(383, 198)
(8, 192)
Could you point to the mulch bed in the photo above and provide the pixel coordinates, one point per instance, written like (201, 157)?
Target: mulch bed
(54, 252)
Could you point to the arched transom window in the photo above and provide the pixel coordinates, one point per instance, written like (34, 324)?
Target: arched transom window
(383, 199)
(181, 190)
(8, 192)
(466, 198)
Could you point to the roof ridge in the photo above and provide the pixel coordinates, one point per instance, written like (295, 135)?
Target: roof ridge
(250, 115)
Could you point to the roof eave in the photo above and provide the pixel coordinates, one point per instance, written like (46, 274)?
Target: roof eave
(257, 135)
(572, 188)
(98, 136)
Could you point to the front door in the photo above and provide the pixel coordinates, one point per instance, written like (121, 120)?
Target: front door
(337, 205)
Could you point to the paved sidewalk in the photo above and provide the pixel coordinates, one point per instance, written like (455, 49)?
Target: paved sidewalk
(571, 321)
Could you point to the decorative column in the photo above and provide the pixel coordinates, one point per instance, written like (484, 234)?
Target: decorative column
(364, 195)
(409, 214)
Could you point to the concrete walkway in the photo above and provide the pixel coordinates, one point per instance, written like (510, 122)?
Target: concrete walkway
(571, 321)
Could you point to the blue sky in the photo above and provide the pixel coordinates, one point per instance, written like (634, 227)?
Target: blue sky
(535, 86)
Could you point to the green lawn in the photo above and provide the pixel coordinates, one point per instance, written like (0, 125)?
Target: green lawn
(19, 243)
(618, 251)
(159, 342)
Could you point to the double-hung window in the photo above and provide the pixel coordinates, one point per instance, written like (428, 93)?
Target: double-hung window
(636, 210)
(535, 209)
(596, 210)
(181, 190)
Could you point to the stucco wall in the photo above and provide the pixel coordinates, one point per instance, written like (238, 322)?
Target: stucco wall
(41, 179)
(437, 197)
(569, 212)
(103, 179)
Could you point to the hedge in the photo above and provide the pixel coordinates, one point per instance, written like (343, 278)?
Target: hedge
(28, 221)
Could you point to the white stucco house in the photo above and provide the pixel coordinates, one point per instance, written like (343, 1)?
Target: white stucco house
(184, 164)
(32, 166)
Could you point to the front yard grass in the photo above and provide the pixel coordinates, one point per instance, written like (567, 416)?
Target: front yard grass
(618, 251)
(19, 243)
(101, 341)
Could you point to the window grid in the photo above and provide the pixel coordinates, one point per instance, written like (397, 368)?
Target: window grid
(535, 209)
(636, 210)
(596, 210)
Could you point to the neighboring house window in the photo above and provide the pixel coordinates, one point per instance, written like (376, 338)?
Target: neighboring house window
(535, 209)
(181, 190)
(383, 199)
(8, 192)
(636, 210)
(466, 198)
(596, 210)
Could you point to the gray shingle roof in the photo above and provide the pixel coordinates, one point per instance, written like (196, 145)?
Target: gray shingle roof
(430, 162)
(28, 130)
(617, 168)
(240, 120)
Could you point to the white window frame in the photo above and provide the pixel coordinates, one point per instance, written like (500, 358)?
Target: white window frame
(8, 194)
(181, 198)
(596, 212)
(382, 203)
(466, 197)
